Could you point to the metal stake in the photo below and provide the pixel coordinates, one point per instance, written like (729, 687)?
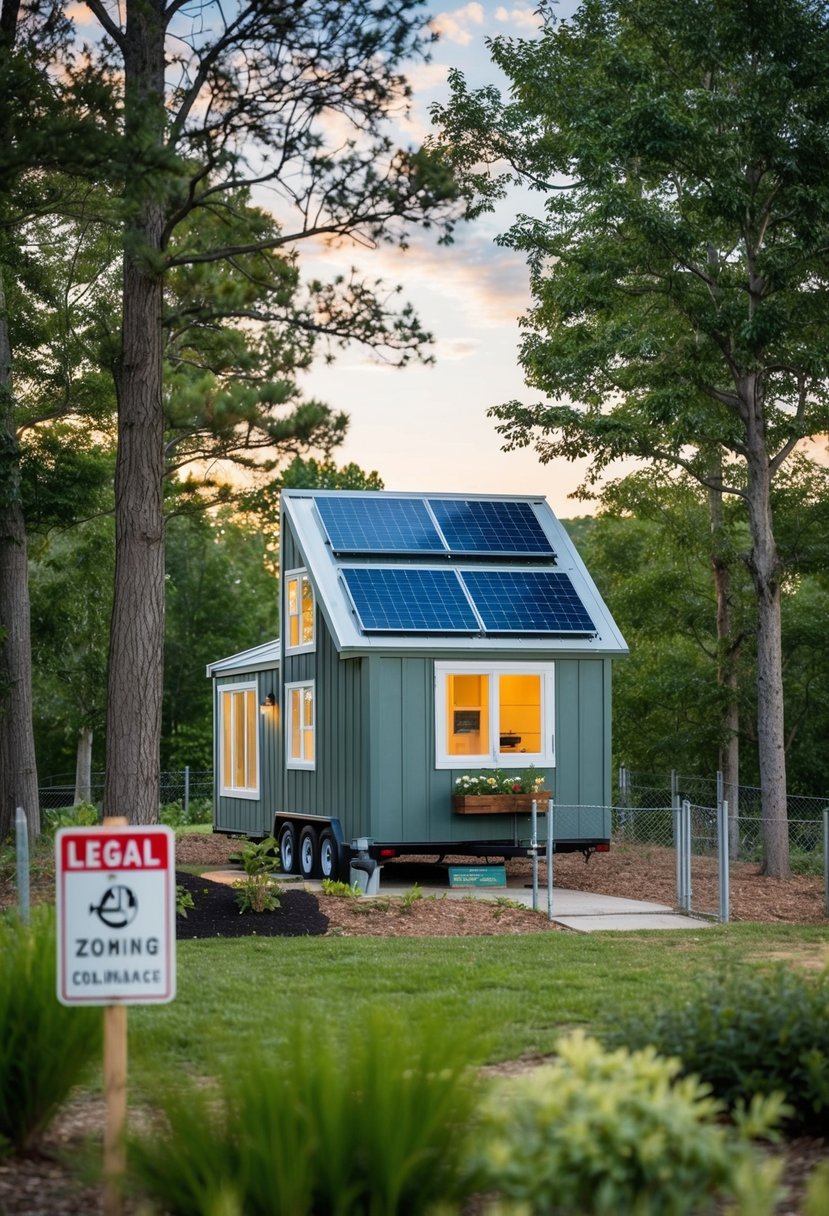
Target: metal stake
(550, 855)
(21, 834)
(534, 848)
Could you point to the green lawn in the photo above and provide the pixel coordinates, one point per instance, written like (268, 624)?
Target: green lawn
(514, 993)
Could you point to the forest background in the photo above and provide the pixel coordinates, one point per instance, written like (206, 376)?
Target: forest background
(154, 321)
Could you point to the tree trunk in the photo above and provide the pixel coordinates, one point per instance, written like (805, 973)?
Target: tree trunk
(764, 563)
(728, 651)
(134, 693)
(83, 766)
(18, 768)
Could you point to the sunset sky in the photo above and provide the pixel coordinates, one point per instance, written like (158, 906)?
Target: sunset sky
(425, 428)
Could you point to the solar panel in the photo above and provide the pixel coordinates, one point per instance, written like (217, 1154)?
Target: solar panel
(376, 524)
(493, 527)
(405, 599)
(527, 601)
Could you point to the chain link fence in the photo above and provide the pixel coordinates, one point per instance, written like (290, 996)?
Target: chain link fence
(186, 794)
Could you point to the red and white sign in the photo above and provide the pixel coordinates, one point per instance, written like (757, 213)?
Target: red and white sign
(116, 905)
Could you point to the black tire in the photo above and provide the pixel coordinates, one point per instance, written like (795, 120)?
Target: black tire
(309, 852)
(288, 854)
(329, 856)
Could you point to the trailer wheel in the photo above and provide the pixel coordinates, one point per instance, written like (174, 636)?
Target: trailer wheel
(309, 856)
(328, 855)
(287, 848)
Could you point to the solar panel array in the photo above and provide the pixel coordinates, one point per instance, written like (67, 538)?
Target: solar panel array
(374, 524)
(411, 579)
(527, 601)
(494, 527)
(407, 599)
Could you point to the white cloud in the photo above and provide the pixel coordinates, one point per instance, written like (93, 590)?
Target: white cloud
(522, 17)
(455, 25)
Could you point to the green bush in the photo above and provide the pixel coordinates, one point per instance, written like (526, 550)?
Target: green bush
(83, 815)
(757, 1032)
(174, 815)
(375, 1124)
(45, 1048)
(601, 1133)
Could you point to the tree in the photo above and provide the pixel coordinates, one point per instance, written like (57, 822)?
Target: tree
(292, 99)
(679, 270)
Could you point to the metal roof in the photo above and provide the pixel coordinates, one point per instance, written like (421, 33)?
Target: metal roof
(326, 568)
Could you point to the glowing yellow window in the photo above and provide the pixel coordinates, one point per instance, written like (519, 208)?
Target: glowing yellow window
(519, 714)
(467, 715)
(301, 743)
(299, 610)
(239, 731)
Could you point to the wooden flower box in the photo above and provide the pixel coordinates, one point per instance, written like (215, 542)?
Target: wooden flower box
(498, 804)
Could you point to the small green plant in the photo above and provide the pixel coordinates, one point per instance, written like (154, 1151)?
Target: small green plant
(82, 815)
(184, 900)
(411, 897)
(258, 856)
(376, 1123)
(758, 1032)
(343, 890)
(45, 1048)
(257, 893)
(600, 1133)
(503, 904)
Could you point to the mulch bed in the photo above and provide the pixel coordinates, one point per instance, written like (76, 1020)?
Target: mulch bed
(215, 913)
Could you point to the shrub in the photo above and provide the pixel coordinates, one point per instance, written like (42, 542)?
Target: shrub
(344, 890)
(44, 1047)
(184, 901)
(258, 856)
(84, 814)
(600, 1133)
(257, 893)
(375, 1124)
(757, 1032)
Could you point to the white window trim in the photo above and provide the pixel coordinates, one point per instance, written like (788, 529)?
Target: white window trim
(290, 761)
(303, 647)
(494, 757)
(231, 791)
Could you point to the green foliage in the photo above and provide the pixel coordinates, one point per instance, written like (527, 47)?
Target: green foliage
(375, 1127)
(258, 856)
(332, 886)
(598, 1133)
(45, 1047)
(184, 900)
(84, 814)
(258, 892)
(411, 897)
(763, 1032)
(173, 814)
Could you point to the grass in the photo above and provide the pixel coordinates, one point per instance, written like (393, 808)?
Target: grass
(515, 994)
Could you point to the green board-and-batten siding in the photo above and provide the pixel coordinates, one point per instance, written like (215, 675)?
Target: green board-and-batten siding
(410, 800)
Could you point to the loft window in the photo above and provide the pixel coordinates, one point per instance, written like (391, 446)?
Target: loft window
(300, 725)
(299, 612)
(494, 715)
(239, 734)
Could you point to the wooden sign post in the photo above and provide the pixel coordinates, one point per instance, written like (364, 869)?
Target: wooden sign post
(116, 909)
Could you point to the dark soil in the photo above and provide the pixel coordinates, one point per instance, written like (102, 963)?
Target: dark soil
(215, 913)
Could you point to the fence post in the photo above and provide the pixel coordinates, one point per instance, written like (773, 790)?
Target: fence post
(826, 857)
(624, 788)
(550, 855)
(21, 835)
(722, 861)
(685, 856)
(534, 848)
(187, 793)
(677, 833)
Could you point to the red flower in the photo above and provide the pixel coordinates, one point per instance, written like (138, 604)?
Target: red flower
(516, 787)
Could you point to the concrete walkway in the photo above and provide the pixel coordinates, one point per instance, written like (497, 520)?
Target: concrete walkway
(582, 911)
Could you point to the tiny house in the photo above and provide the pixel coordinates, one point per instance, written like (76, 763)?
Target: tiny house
(425, 637)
